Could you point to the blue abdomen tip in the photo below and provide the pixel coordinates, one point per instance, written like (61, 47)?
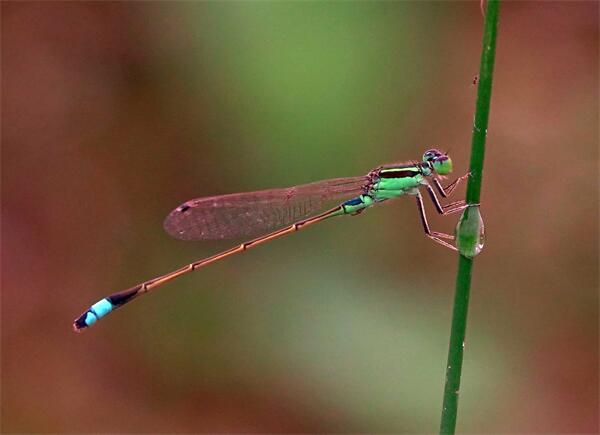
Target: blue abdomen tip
(101, 309)
(91, 316)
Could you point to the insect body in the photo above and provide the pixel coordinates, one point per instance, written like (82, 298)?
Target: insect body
(277, 212)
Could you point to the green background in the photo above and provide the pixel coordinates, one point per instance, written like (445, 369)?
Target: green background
(114, 113)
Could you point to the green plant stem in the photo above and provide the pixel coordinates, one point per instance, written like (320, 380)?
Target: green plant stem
(465, 265)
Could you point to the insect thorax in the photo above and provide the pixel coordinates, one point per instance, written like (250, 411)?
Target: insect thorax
(392, 182)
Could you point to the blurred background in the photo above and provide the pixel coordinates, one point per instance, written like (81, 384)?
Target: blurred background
(115, 113)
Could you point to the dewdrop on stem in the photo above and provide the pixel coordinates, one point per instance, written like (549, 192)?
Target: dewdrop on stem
(469, 232)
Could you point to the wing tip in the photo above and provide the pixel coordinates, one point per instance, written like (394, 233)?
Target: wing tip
(173, 222)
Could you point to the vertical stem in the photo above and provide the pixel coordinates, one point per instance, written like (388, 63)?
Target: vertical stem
(463, 277)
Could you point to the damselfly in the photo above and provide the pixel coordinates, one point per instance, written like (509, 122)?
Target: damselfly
(278, 212)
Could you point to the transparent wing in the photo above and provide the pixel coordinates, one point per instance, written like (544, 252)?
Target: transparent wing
(254, 213)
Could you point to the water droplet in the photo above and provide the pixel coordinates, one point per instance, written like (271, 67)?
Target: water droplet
(470, 234)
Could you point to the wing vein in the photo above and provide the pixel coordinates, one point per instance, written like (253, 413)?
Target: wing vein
(253, 213)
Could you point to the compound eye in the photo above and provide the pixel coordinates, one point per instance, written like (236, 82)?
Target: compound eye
(442, 165)
(431, 155)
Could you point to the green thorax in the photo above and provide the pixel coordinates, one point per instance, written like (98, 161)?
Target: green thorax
(391, 182)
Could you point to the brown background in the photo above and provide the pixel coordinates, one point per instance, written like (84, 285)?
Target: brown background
(114, 113)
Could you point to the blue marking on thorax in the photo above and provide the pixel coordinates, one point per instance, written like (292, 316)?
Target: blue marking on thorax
(356, 205)
(354, 201)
